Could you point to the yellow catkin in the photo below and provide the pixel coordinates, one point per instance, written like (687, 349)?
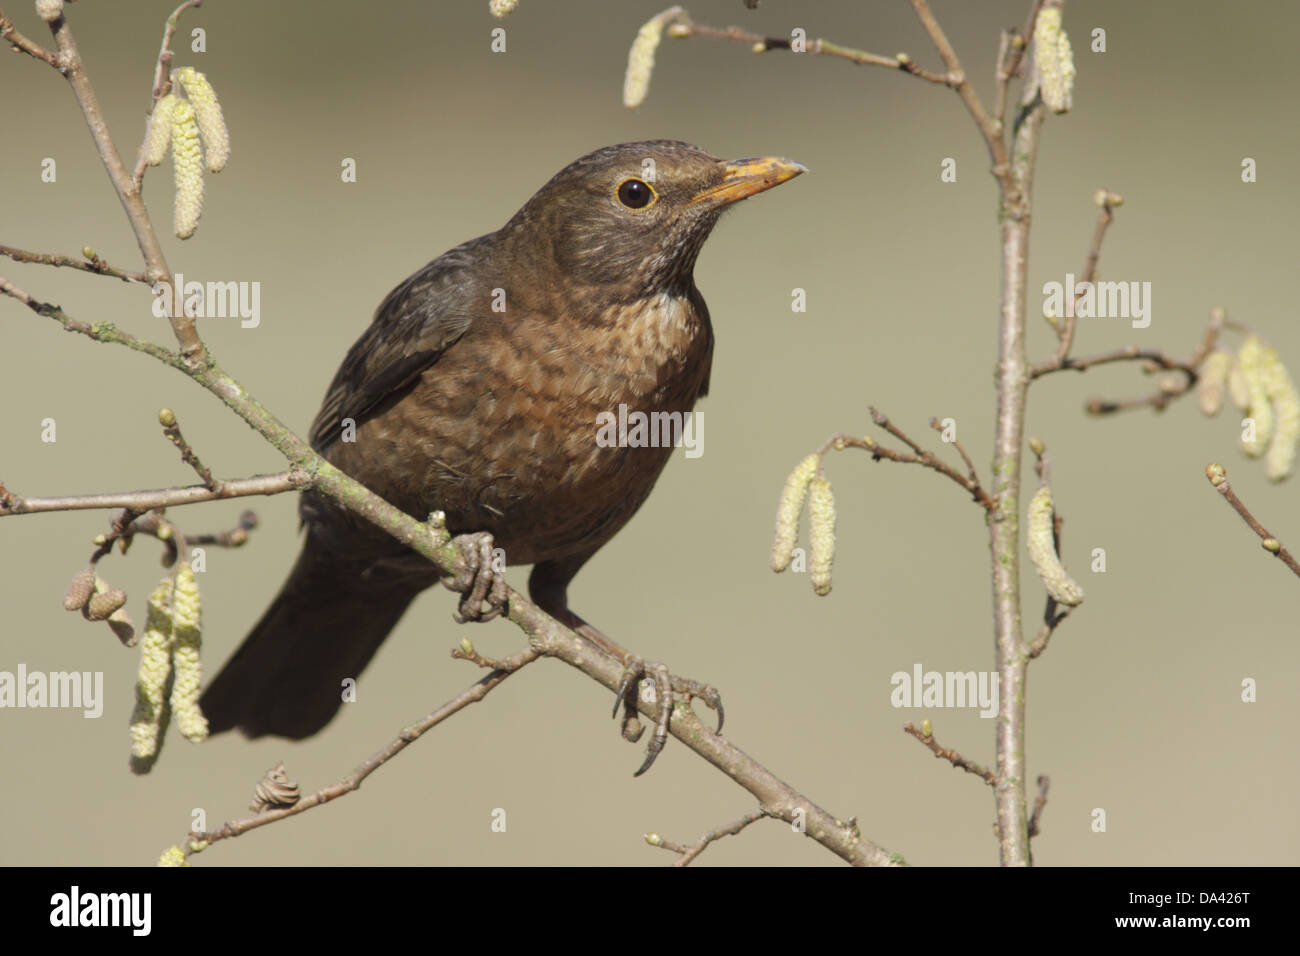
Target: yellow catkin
(149, 720)
(821, 521)
(1213, 381)
(1285, 400)
(187, 672)
(788, 510)
(1251, 360)
(207, 113)
(1042, 551)
(1054, 60)
(173, 856)
(1237, 389)
(159, 135)
(641, 58)
(187, 161)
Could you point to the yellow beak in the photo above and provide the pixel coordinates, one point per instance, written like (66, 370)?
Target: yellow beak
(745, 177)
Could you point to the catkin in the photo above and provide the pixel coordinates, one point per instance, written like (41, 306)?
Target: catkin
(187, 673)
(1251, 359)
(641, 58)
(1042, 551)
(788, 510)
(149, 720)
(208, 115)
(187, 161)
(1213, 382)
(1053, 60)
(821, 520)
(1285, 400)
(159, 135)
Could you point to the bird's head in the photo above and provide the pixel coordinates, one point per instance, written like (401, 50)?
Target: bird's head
(631, 218)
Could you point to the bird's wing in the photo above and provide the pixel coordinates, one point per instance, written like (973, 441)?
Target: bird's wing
(412, 328)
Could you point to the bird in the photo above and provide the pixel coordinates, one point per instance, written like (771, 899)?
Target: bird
(476, 391)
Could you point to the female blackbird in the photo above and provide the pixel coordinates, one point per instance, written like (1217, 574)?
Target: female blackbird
(475, 391)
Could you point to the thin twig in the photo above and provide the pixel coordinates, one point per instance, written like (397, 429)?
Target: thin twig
(918, 456)
(1065, 328)
(1040, 804)
(761, 44)
(989, 128)
(1218, 477)
(353, 781)
(18, 41)
(291, 480)
(1156, 361)
(970, 465)
(90, 264)
(172, 429)
(234, 538)
(689, 853)
(954, 758)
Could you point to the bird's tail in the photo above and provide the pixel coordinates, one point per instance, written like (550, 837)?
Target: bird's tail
(325, 625)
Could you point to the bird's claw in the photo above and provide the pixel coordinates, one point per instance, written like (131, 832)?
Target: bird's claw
(660, 696)
(479, 580)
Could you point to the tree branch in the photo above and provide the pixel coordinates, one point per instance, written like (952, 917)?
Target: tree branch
(92, 263)
(685, 28)
(950, 755)
(1218, 476)
(292, 480)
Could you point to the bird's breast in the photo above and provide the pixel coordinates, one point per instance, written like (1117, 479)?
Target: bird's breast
(508, 431)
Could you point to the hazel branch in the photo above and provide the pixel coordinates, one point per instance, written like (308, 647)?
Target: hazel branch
(90, 263)
(1040, 804)
(918, 456)
(141, 501)
(990, 128)
(1107, 201)
(172, 429)
(684, 28)
(70, 66)
(18, 41)
(950, 755)
(352, 782)
(689, 853)
(1218, 477)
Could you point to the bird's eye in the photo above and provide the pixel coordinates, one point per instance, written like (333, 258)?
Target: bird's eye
(635, 194)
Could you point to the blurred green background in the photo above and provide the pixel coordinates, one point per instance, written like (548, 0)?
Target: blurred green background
(1135, 708)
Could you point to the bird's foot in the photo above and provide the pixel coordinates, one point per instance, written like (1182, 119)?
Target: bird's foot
(658, 692)
(481, 579)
